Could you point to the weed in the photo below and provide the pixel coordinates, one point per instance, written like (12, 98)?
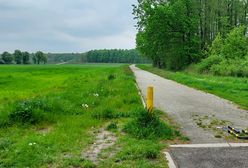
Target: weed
(5, 143)
(111, 77)
(139, 149)
(27, 112)
(106, 113)
(147, 125)
(112, 126)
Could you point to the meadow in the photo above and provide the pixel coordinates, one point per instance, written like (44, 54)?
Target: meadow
(234, 89)
(50, 115)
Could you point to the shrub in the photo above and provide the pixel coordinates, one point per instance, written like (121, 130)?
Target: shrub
(217, 45)
(207, 63)
(233, 67)
(28, 111)
(228, 58)
(146, 125)
(111, 77)
(235, 45)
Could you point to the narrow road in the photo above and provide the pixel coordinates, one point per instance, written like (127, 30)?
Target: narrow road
(191, 108)
(62, 63)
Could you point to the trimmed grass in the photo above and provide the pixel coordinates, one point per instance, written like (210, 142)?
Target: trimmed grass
(67, 103)
(230, 88)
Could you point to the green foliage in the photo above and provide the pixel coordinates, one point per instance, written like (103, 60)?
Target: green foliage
(64, 57)
(176, 33)
(106, 113)
(217, 45)
(236, 67)
(149, 126)
(28, 112)
(112, 126)
(235, 44)
(114, 56)
(111, 77)
(7, 58)
(168, 33)
(51, 127)
(2, 61)
(227, 57)
(39, 57)
(26, 57)
(138, 150)
(206, 64)
(56, 97)
(18, 56)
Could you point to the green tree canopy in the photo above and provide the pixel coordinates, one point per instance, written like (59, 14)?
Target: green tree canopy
(18, 56)
(26, 57)
(7, 58)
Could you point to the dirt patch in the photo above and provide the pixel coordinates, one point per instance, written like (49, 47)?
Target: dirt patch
(44, 131)
(104, 139)
(218, 127)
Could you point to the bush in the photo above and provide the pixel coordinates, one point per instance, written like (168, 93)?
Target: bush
(149, 126)
(217, 45)
(237, 68)
(235, 45)
(29, 111)
(228, 58)
(206, 64)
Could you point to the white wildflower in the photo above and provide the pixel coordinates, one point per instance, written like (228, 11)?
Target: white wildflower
(85, 105)
(96, 94)
(32, 143)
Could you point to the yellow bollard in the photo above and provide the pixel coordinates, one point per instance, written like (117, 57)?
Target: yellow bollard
(149, 100)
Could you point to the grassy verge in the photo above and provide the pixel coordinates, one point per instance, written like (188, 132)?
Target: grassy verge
(230, 88)
(48, 113)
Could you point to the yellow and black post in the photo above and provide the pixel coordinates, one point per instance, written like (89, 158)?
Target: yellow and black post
(149, 99)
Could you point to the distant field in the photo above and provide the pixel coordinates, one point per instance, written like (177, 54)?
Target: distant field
(230, 88)
(49, 116)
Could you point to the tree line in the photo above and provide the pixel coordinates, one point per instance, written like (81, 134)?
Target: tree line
(177, 33)
(114, 56)
(93, 56)
(64, 57)
(19, 57)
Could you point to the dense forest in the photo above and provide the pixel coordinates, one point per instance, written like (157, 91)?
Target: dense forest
(114, 56)
(178, 33)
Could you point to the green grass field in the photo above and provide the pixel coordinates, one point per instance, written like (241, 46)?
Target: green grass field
(230, 88)
(48, 115)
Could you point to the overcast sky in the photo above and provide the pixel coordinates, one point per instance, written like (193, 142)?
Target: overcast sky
(66, 25)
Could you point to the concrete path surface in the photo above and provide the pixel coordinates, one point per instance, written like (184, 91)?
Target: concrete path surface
(210, 157)
(188, 107)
